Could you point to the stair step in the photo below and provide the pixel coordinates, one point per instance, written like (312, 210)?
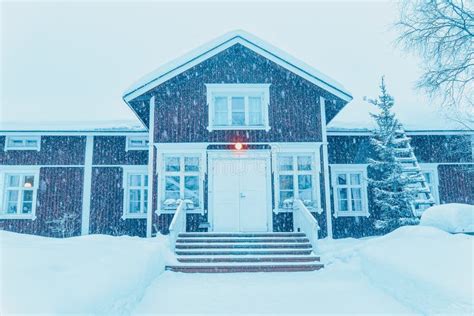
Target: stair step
(231, 258)
(247, 267)
(240, 252)
(232, 235)
(242, 245)
(242, 240)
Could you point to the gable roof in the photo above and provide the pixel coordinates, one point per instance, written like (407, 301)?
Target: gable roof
(218, 45)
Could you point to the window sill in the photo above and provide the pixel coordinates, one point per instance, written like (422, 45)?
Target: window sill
(351, 214)
(18, 216)
(237, 128)
(134, 216)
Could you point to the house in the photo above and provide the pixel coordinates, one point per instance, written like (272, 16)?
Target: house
(231, 135)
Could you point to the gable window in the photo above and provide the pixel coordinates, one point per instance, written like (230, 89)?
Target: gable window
(137, 143)
(135, 193)
(349, 190)
(23, 143)
(181, 180)
(296, 180)
(19, 194)
(238, 106)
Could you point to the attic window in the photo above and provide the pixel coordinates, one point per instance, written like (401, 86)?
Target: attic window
(238, 106)
(23, 143)
(137, 143)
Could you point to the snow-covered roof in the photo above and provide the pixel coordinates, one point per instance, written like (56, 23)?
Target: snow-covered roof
(355, 117)
(212, 48)
(73, 126)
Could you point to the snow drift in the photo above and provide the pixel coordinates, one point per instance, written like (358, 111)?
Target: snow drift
(88, 274)
(452, 218)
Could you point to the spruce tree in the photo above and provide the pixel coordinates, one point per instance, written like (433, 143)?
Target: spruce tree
(393, 192)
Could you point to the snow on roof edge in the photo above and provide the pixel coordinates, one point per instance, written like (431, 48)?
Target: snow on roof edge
(73, 126)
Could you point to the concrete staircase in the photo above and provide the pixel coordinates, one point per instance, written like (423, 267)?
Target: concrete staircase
(244, 252)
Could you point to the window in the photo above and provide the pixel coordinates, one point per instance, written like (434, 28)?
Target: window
(135, 192)
(136, 143)
(23, 143)
(349, 190)
(19, 194)
(181, 180)
(296, 177)
(238, 106)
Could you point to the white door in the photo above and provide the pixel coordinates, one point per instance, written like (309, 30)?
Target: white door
(239, 195)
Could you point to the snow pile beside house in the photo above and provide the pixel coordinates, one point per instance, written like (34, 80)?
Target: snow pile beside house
(89, 274)
(452, 218)
(424, 267)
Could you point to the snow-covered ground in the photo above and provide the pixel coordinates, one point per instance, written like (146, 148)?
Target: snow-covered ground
(414, 270)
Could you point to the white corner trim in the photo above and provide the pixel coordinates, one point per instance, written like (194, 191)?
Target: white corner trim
(87, 185)
(22, 138)
(327, 194)
(150, 166)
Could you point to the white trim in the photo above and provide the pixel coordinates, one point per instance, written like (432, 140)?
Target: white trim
(24, 139)
(327, 194)
(143, 139)
(248, 154)
(19, 169)
(151, 161)
(72, 133)
(366, 132)
(238, 90)
(350, 168)
(87, 185)
(432, 169)
(222, 43)
(127, 171)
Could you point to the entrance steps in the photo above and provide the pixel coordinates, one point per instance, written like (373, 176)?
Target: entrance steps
(244, 252)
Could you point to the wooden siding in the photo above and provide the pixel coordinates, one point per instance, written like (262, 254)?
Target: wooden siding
(182, 112)
(59, 192)
(110, 150)
(55, 150)
(107, 205)
(349, 149)
(456, 183)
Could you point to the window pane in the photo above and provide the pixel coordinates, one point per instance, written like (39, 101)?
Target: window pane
(285, 163)
(238, 111)
(12, 207)
(304, 162)
(29, 181)
(356, 194)
(12, 196)
(172, 164)
(31, 142)
(286, 182)
(172, 183)
(305, 187)
(285, 195)
(12, 202)
(27, 207)
(355, 178)
(342, 199)
(27, 196)
(145, 200)
(220, 111)
(134, 207)
(135, 180)
(135, 195)
(341, 179)
(13, 181)
(191, 189)
(145, 182)
(357, 205)
(255, 111)
(191, 164)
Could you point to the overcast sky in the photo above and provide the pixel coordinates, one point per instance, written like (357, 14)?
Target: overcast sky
(72, 61)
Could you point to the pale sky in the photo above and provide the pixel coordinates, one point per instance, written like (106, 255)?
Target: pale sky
(72, 61)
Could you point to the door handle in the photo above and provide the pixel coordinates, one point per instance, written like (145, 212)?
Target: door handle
(242, 195)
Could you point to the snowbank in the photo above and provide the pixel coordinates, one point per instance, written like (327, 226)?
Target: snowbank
(452, 218)
(424, 267)
(89, 274)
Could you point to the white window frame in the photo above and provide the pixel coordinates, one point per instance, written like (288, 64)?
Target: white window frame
(238, 90)
(23, 139)
(22, 171)
(432, 169)
(127, 172)
(348, 169)
(181, 173)
(142, 139)
(297, 149)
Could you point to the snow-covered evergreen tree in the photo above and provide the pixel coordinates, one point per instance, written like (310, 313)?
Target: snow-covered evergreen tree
(392, 190)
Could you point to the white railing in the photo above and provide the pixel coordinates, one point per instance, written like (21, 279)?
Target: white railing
(178, 224)
(304, 221)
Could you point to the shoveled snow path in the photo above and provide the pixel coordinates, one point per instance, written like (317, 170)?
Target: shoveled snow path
(339, 288)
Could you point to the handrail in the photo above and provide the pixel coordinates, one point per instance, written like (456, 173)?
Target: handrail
(304, 221)
(178, 223)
